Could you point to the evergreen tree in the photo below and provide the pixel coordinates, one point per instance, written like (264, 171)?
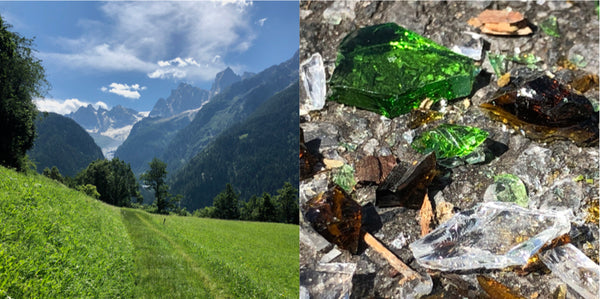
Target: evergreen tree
(250, 209)
(22, 77)
(267, 211)
(226, 204)
(287, 204)
(154, 179)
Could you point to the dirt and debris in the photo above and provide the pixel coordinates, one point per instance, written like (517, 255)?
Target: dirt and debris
(550, 171)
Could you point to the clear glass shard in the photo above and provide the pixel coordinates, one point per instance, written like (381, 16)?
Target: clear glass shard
(574, 268)
(312, 75)
(493, 235)
(331, 280)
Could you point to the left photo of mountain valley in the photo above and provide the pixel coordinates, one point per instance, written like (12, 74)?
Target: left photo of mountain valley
(149, 149)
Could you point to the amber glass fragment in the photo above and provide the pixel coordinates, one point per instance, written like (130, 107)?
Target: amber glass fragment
(406, 185)
(307, 160)
(497, 290)
(337, 217)
(546, 111)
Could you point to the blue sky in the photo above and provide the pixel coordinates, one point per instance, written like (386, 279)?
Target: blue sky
(133, 53)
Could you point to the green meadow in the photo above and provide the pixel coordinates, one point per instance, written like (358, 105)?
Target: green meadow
(57, 243)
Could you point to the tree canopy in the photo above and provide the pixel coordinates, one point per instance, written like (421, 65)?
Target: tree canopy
(113, 179)
(155, 179)
(22, 78)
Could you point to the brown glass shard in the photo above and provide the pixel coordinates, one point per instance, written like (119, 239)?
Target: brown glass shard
(337, 217)
(374, 169)
(546, 111)
(585, 82)
(307, 160)
(406, 185)
(420, 117)
(496, 289)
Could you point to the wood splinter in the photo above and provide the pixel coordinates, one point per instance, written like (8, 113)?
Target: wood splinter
(395, 262)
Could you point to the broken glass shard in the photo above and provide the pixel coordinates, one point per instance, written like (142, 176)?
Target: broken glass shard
(407, 184)
(331, 280)
(507, 188)
(498, 62)
(308, 161)
(449, 141)
(493, 235)
(574, 268)
(525, 58)
(312, 75)
(389, 70)
(496, 289)
(344, 177)
(550, 26)
(335, 216)
(545, 110)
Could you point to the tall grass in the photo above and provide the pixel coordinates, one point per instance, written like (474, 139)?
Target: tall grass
(56, 242)
(231, 259)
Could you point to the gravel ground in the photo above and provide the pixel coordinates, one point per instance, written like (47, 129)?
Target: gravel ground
(550, 171)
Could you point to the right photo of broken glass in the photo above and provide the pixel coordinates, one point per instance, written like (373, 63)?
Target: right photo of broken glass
(449, 149)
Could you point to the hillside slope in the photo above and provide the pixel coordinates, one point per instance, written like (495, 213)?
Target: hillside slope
(257, 155)
(61, 142)
(231, 106)
(149, 137)
(58, 243)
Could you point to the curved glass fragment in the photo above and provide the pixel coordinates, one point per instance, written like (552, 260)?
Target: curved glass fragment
(546, 111)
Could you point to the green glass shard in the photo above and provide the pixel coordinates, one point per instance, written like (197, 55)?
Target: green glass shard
(449, 141)
(344, 177)
(550, 26)
(508, 188)
(390, 70)
(525, 58)
(498, 62)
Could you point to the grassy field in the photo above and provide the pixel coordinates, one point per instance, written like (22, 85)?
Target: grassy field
(188, 257)
(57, 243)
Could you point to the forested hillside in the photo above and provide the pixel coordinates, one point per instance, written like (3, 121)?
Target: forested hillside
(231, 106)
(61, 142)
(257, 155)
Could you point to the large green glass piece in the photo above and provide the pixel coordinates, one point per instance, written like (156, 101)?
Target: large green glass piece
(449, 141)
(390, 70)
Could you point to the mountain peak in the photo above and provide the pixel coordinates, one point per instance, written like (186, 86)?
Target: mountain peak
(185, 97)
(222, 80)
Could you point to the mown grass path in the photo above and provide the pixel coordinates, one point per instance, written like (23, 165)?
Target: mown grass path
(164, 268)
(189, 257)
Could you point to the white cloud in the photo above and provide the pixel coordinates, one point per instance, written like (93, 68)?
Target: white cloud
(65, 106)
(141, 35)
(101, 57)
(261, 22)
(124, 90)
